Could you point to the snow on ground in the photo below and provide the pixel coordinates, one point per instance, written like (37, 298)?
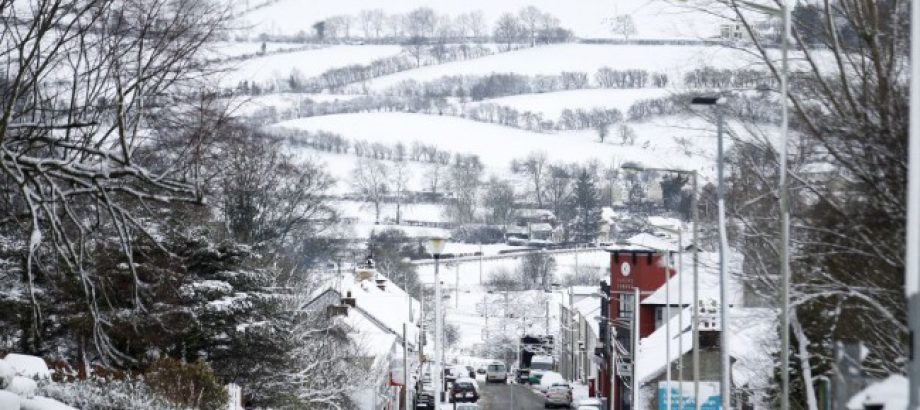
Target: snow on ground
(309, 63)
(28, 366)
(243, 48)
(552, 104)
(653, 19)
(496, 145)
(554, 59)
(891, 392)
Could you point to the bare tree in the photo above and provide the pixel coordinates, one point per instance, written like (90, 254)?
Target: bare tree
(365, 19)
(534, 165)
(417, 47)
(435, 175)
(499, 200)
(372, 179)
(623, 25)
(507, 31)
(531, 17)
(98, 127)
(422, 22)
(399, 180)
(477, 24)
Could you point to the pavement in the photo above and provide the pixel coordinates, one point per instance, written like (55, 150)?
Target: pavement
(508, 397)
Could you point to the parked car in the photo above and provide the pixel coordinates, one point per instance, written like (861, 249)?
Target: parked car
(558, 396)
(424, 398)
(481, 370)
(590, 404)
(464, 390)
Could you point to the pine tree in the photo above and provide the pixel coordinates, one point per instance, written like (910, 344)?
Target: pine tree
(586, 203)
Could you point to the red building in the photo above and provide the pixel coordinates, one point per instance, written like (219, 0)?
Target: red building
(632, 268)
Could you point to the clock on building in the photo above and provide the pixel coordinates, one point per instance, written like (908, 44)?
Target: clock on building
(624, 268)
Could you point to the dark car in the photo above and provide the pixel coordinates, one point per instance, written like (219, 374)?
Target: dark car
(464, 391)
(424, 399)
(481, 370)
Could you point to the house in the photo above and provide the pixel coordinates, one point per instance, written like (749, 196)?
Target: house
(666, 322)
(382, 320)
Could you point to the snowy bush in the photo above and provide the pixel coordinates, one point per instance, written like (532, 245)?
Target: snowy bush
(6, 374)
(191, 384)
(23, 387)
(105, 394)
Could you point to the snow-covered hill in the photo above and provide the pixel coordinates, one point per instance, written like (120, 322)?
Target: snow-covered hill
(497, 145)
(554, 59)
(654, 19)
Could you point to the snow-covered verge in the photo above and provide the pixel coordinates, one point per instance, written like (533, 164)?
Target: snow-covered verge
(891, 392)
(25, 384)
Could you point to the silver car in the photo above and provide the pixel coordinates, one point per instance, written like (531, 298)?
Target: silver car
(558, 396)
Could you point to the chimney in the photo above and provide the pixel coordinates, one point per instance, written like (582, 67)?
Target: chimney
(336, 310)
(348, 300)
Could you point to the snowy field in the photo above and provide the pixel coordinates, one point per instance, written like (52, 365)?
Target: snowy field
(653, 19)
(308, 63)
(497, 145)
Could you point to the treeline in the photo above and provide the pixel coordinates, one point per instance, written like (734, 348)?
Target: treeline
(335, 143)
(335, 79)
(529, 25)
(481, 87)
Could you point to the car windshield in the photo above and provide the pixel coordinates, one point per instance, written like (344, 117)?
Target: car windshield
(558, 389)
(541, 366)
(496, 368)
(463, 386)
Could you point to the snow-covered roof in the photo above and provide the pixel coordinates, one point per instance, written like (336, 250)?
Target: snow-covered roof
(709, 280)
(891, 392)
(752, 342)
(590, 307)
(653, 242)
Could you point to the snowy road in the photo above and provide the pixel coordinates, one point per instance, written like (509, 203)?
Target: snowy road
(508, 397)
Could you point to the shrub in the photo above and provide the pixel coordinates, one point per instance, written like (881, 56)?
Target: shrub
(105, 394)
(190, 384)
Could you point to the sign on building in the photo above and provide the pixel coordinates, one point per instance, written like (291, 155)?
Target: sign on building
(682, 396)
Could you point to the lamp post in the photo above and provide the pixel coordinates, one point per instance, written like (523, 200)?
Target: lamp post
(718, 103)
(695, 217)
(680, 299)
(436, 247)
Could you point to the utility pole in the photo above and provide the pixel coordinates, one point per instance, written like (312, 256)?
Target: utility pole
(667, 324)
(457, 285)
(635, 348)
(480, 263)
(405, 396)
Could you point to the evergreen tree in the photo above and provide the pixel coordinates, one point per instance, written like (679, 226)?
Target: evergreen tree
(586, 204)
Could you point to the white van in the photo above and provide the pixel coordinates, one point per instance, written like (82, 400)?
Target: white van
(496, 372)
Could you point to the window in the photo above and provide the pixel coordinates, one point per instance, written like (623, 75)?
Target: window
(625, 305)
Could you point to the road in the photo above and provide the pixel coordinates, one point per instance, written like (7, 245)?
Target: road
(508, 397)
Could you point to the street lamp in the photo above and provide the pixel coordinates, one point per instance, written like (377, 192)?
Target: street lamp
(436, 247)
(695, 217)
(719, 104)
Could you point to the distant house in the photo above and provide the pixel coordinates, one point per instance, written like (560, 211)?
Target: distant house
(375, 311)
